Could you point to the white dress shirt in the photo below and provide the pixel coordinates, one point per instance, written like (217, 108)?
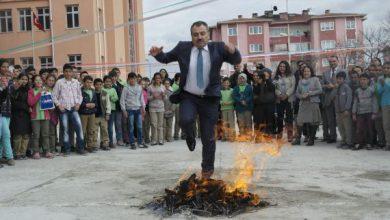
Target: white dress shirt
(191, 82)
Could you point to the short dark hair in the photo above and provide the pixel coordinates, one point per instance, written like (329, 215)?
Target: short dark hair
(17, 66)
(131, 75)
(364, 75)
(67, 66)
(113, 73)
(43, 71)
(97, 80)
(30, 68)
(2, 60)
(88, 77)
(84, 72)
(177, 76)
(115, 69)
(146, 79)
(199, 23)
(106, 77)
(225, 79)
(167, 79)
(341, 74)
(53, 69)
(22, 75)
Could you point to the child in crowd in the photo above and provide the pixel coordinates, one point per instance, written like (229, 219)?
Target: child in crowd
(156, 109)
(5, 135)
(133, 108)
(116, 114)
(243, 99)
(364, 109)
(227, 111)
(40, 119)
(50, 82)
(87, 113)
(264, 99)
(102, 115)
(383, 89)
(146, 119)
(308, 92)
(20, 118)
(113, 96)
(343, 105)
(169, 111)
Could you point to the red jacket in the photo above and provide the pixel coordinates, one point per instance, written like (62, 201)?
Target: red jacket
(32, 102)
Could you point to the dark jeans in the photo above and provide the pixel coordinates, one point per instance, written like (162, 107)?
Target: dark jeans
(365, 129)
(76, 121)
(285, 113)
(207, 109)
(115, 121)
(135, 120)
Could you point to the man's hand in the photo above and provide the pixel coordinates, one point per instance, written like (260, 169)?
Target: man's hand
(354, 117)
(62, 108)
(125, 115)
(107, 117)
(230, 48)
(77, 107)
(155, 50)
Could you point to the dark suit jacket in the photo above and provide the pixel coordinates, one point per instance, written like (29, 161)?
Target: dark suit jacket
(218, 55)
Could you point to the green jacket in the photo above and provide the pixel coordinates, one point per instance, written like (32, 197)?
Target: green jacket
(113, 97)
(227, 102)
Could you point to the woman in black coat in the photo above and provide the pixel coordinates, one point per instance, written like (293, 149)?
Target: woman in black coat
(20, 117)
(264, 104)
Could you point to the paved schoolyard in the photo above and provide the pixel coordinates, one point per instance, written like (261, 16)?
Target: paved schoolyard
(319, 182)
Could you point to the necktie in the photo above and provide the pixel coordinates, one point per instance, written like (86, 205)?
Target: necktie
(199, 70)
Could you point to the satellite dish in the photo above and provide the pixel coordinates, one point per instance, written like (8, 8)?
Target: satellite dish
(275, 8)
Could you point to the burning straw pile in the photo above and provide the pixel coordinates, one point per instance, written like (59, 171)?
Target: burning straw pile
(206, 198)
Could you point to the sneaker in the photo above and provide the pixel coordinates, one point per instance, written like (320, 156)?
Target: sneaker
(370, 147)
(143, 145)
(105, 148)
(296, 142)
(133, 147)
(154, 144)
(82, 152)
(161, 143)
(176, 138)
(120, 143)
(10, 162)
(111, 145)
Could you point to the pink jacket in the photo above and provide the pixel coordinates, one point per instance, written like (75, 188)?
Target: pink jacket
(32, 101)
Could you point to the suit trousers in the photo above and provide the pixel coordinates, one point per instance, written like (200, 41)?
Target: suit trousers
(329, 122)
(207, 109)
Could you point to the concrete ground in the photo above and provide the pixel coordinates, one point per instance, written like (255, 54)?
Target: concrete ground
(319, 182)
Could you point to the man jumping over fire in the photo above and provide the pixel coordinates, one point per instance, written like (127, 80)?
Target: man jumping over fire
(200, 63)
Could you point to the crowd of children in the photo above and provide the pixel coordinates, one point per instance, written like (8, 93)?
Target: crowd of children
(41, 112)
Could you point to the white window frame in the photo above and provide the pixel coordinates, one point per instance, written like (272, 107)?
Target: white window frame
(324, 62)
(47, 63)
(73, 13)
(232, 31)
(280, 48)
(280, 31)
(299, 47)
(77, 59)
(255, 48)
(350, 24)
(327, 26)
(25, 19)
(25, 62)
(42, 17)
(255, 30)
(326, 44)
(7, 17)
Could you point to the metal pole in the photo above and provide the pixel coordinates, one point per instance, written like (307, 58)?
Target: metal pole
(52, 34)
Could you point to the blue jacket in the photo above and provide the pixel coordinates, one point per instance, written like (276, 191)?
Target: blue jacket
(218, 55)
(246, 96)
(384, 92)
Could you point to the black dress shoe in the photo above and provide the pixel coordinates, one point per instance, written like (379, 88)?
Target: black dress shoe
(191, 143)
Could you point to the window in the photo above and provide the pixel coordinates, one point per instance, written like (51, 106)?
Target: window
(299, 47)
(280, 47)
(299, 30)
(351, 43)
(75, 59)
(232, 31)
(325, 62)
(327, 26)
(46, 62)
(25, 19)
(328, 44)
(278, 32)
(44, 17)
(72, 16)
(5, 21)
(26, 62)
(350, 24)
(255, 30)
(255, 48)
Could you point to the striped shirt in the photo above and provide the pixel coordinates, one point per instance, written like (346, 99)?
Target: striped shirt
(67, 93)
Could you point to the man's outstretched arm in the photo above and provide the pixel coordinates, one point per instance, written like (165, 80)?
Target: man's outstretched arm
(160, 56)
(231, 54)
